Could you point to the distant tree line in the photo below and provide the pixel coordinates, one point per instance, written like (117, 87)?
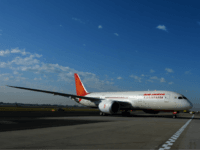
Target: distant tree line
(42, 105)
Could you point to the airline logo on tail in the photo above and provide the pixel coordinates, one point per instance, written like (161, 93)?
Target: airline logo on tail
(80, 89)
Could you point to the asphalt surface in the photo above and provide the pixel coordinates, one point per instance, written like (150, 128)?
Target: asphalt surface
(88, 130)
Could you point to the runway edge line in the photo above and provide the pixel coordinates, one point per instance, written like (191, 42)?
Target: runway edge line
(171, 140)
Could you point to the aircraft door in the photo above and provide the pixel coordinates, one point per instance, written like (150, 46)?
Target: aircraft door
(166, 98)
(140, 100)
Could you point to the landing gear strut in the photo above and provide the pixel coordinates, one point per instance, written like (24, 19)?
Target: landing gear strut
(125, 113)
(102, 114)
(174, 116)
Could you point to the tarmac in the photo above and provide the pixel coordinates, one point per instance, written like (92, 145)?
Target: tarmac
(88, 130)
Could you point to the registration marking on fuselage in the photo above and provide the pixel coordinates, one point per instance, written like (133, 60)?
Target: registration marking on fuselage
(168, 144)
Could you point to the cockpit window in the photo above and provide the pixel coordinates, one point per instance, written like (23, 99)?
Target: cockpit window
(182, 97)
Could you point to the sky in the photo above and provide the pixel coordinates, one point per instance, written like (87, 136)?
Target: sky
(113, 45)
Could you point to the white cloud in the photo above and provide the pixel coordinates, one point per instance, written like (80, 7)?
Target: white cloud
(162, 80)
(37, 79)
(37, 55)
(3, 53)
(154, 77)
(119, 78)
(32, 64)
(169, 70)
(78, 20)
(170, 82)
(17, 50)
(94, 82)
(4, 74)
(187, 72)
(150, 80)
(161, 27)
(152, 71)
(136, 78)
(15, 72)
(142, 75)
(25, 61)
(20, 78)
(100, 27)
(4, 65)
(116, 34)
(6, 79)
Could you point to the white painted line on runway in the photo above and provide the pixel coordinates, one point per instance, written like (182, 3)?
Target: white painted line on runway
(171, 140)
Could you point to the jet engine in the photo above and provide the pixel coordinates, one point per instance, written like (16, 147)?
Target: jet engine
(109, 107)
(151, 111)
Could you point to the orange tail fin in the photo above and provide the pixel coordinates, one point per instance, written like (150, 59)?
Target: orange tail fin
(80, 89)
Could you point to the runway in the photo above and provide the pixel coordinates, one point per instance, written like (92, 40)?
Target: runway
(88, 130)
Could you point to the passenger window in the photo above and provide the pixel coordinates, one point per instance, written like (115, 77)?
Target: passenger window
(180, 97)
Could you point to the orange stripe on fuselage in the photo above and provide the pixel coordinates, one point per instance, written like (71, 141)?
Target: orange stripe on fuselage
(80, 91)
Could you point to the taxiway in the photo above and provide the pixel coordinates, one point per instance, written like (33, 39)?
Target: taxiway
(88, 130)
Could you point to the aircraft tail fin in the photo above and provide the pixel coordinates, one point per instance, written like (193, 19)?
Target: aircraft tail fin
(80, 89)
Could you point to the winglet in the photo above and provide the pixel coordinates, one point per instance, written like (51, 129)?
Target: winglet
(80, 89)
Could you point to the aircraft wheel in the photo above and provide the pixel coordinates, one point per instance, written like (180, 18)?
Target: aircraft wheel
(128, 114)
(125, 113)
(104, 114)
(174, 116)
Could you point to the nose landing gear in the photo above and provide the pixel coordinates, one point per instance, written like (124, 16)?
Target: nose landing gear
(174, 116)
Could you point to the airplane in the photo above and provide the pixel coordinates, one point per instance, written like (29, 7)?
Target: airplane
(151, 102)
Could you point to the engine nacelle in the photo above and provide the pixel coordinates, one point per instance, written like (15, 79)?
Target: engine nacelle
(151, 111)
(109, 107)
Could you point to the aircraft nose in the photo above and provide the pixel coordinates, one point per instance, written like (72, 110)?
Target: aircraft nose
(188, 105)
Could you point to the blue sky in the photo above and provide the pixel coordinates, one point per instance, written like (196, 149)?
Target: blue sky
(114, 45)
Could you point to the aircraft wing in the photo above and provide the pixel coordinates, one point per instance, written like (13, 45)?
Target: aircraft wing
(57, 93)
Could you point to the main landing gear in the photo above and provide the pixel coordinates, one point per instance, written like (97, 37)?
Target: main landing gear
(102, 114)
(174, 115)
(126, 113)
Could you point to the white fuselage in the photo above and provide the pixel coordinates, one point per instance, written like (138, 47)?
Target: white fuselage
(156, 100)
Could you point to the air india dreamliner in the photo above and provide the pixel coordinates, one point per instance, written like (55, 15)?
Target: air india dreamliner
(112, 102)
